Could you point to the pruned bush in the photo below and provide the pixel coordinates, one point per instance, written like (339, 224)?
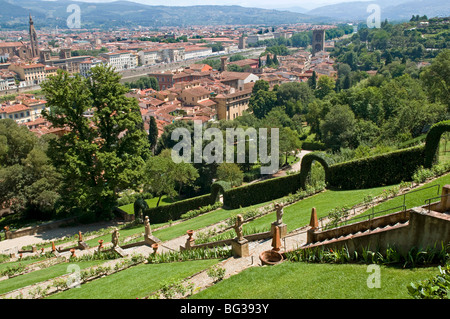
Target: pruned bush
(386, 169)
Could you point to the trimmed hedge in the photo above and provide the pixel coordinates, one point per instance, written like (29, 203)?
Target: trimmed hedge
(261, 191)
(174, 211)
(385, 169)
(219, 186)
(307, 161)
(432, 141)
(313, 146)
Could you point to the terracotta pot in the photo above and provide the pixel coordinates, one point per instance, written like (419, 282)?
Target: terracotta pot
(270, 257)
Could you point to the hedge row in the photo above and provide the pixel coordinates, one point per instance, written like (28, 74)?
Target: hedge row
(174, 211)
(314, 146)
(432, 141)
(385, 169)
(261, 191)
(307, 162)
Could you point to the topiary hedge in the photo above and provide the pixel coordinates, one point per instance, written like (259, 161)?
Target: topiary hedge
(219, 187)
(261, 191)
(432, 141)
(307, 161)
(174, 211)
(384, 169)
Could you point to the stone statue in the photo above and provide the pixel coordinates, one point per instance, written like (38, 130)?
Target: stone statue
(148, 229)
(238, 227)
(280, 212)
(115, 237)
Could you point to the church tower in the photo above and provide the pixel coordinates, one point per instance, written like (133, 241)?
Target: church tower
(318, 41)
(34, 40)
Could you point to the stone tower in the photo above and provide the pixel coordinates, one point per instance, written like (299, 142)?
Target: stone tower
(33, 40)
(318, 41)
(223, 63)
(242, 42)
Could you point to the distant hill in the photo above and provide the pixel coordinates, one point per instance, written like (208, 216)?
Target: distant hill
(390, 9)
(130, 14)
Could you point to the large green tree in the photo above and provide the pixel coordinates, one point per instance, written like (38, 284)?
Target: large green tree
(163, 176)
(437, 78)
(29, 182)
(101, 155)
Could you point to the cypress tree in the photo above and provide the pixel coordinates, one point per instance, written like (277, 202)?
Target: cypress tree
(153, 134)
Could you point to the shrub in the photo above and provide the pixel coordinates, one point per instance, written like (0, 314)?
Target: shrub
(201, 210)
(216, 273)
(313, 146)
(386, 169)
(413, 258)
(437, 287)
(174, 211)
(261, 191)
(422, 174)
(432, 142)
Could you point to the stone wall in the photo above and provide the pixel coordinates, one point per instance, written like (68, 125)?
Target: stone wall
(423, 229)
(27, 231)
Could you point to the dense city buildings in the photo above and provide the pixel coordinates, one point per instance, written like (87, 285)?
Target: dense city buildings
(188, 88)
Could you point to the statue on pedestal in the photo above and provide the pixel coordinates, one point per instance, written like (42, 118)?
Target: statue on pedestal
(115, 237)
(238, 227)
(280, 212)
(148, 229)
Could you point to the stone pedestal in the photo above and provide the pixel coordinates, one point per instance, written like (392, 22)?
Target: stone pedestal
(282, 227)
(120, 251)
(310, 236)
(240, 248)
(150, 240)
(82, 245)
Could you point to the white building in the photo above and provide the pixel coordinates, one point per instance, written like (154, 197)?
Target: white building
(254, 38)
(86, 66)
(195, 52)
(121, 60)
(149, 57)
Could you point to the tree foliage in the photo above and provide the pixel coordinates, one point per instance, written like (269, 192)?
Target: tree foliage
(98, 156)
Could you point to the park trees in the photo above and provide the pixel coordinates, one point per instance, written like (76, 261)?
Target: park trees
(97, 156)
(436, 78)
(29, 182)
(162, 176)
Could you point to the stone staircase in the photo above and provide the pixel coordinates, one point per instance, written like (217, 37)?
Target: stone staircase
(417, 227)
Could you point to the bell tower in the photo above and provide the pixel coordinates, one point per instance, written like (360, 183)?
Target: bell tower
(33, 40)
(318, 41)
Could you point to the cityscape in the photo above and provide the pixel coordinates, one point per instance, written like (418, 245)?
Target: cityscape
(135, 142)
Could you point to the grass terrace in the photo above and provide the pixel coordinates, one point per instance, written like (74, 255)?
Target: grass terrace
(315, 281)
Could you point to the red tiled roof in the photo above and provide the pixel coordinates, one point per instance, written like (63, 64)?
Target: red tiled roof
(14, 108)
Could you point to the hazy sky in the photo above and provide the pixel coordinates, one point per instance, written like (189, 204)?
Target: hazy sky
(307, 4)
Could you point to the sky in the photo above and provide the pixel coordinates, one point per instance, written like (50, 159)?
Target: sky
(269, 4)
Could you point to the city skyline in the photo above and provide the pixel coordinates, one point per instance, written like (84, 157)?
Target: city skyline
(265, 4)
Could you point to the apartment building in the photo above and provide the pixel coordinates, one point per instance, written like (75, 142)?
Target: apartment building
(121, 60)
(233, 104)
(31, 74)
(87, 65)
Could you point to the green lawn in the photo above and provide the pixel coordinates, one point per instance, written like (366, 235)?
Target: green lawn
(135, 282)
(11, 264)
(415, 198)
(151, 203)
(294, 280)
(42, 275)
(299, 214)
